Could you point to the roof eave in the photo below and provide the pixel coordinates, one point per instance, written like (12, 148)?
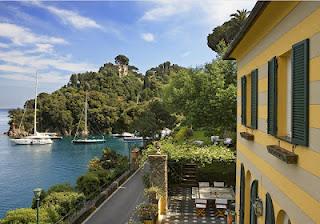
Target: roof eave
(256, 11)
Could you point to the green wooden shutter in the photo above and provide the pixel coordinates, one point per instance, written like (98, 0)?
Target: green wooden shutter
(243, 100)
(254, 99)
(269, 215)
(253, 196)
(272, 96)
(300, 93)
(242, 195)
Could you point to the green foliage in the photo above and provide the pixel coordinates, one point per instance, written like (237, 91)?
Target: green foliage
(64, 187)
(101, 172)
(26, 216)
(206, 97)
(200, 135)
(228, 30)
(89, 184)
(94, 164)
(190, 153)
(62, 202)
(115, 103)
(156, 77)
(154, 118)
(181, 135)
(147, 211)
(218, 171)
(121, 60)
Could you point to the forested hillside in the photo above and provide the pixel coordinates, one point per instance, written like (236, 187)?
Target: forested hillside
(115, 103)
(122, 99)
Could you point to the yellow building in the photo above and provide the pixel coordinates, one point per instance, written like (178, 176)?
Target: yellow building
(278, 139)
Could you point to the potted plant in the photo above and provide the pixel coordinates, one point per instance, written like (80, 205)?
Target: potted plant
(147, 213)
(153, 194)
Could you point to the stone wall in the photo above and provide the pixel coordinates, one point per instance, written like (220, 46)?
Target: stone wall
(159, 178)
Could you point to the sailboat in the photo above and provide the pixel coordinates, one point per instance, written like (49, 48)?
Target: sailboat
(37, 138)
(85, 139)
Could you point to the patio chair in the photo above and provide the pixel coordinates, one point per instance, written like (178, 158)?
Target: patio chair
(221, 207)
(201, 209)
(218, 184)
(215, 139)
(204, 184)
(200, 201)
(195, 192)
(228, 142)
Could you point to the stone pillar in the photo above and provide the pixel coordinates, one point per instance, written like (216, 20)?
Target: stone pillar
(159, 178)
(134, 158)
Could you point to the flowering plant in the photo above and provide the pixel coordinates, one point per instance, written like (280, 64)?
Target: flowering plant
(147, 211)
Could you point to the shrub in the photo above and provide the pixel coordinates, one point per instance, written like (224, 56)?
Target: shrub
(64, 187)
(94, 164)
(63, 202)
(147, 211)
(26, 216)
(181, 134)
(88, 184)
(104, 176)
(153, 194)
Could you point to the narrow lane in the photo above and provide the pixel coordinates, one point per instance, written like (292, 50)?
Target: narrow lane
(119, 207)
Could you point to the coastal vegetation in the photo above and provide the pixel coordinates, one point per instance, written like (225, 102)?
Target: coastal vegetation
(116, 103)
(62, 199)
(195, 102)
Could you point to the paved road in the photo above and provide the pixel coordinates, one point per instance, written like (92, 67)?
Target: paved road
(120, 206)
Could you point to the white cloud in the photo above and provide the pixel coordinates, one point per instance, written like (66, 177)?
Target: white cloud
(185, 54)
(21, 35)
(149, 37)
(3, 45)
(205, 11)
(42, 78)
(44, 48)
(166, 8)
(20, 58)
(70, 17)
(14, 68)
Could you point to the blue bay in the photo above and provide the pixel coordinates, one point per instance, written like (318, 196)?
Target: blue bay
(23, 168)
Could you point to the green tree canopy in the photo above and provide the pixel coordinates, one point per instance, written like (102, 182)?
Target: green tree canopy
(206, 97)
(228, 30)
(121, 60)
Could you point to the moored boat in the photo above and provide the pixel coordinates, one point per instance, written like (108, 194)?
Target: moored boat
(37, 138)
(84, 138)
(133, 138)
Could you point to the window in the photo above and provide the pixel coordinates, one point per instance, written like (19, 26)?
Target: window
(254, 99)
(243, 100)
(300, 93)
(288, 95)
(284, 120)
(272, 96)
(249, 99)
(269, 215)
(253, 197)
(242, 194)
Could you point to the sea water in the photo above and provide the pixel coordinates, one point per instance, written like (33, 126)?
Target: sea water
(25, 167)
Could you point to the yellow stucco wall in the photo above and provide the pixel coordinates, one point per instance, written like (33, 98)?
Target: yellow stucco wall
(295, 189)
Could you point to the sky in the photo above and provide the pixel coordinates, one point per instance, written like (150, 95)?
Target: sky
(56, 39)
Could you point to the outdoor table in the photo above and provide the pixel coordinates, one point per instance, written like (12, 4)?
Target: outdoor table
(212, 193)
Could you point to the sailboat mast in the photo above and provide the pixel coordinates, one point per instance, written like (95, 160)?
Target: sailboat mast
(35, 106)
(86, 115)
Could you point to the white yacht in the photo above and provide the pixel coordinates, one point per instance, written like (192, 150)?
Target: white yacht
(133, 139)
(85, 135)
(33, 140)
(37, 138)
